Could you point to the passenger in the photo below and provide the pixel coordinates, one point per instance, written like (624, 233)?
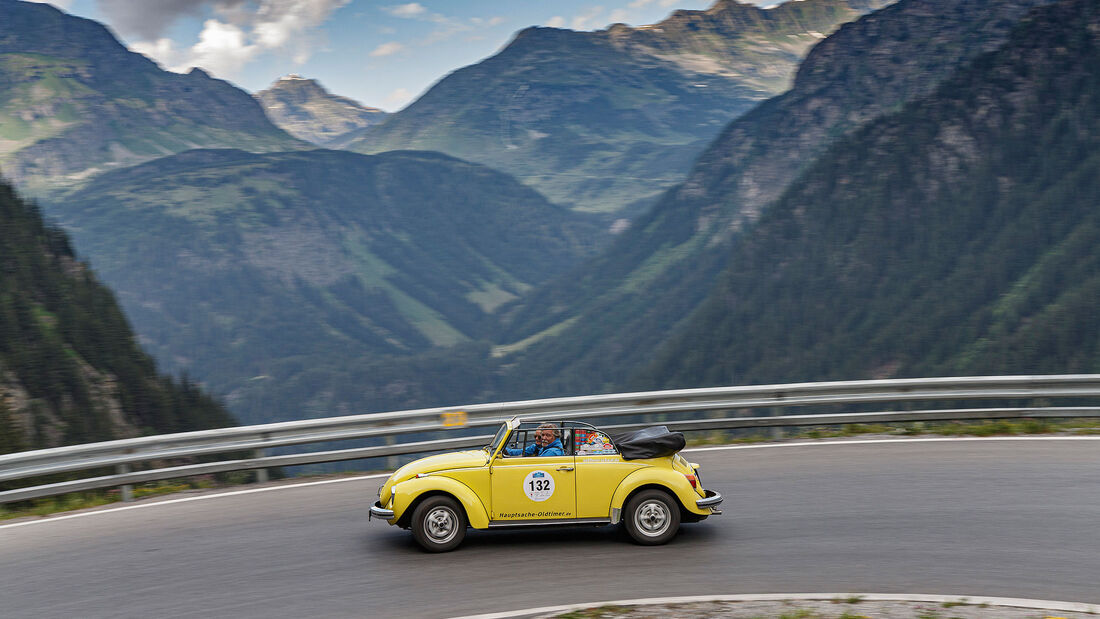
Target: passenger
(546, 443)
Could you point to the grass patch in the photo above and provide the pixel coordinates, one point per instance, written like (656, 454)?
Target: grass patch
(96, 498)
(851, 599)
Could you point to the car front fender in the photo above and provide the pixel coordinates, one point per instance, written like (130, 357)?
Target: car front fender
(409, 491)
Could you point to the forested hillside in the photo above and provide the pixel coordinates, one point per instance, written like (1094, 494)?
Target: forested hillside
(960, 235)
(70, 370)
(590, 330)
(284, 270)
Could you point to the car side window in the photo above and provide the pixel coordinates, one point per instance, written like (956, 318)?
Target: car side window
(516, 444)
(593, 443)
(537, 441)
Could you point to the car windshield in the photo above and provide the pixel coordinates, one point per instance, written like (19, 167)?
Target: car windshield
(492, 446)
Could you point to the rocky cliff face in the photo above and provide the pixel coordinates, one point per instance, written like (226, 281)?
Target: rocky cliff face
(865, 70)
(604, 121)
(305, 110)
(77, 102)
(955, 236)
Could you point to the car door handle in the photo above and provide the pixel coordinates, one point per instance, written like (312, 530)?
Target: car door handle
(565, 468)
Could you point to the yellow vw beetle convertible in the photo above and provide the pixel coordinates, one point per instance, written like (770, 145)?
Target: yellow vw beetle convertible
(539, 473)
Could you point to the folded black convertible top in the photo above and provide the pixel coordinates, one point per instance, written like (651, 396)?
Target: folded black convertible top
(653, 442)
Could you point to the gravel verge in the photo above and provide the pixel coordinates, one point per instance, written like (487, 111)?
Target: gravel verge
(853, 607)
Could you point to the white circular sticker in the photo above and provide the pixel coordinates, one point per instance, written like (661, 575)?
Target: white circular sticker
(538, 485)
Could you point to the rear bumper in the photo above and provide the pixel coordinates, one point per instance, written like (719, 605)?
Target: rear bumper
(713, 499)
(377, 511)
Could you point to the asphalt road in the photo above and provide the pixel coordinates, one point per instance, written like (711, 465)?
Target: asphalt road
(990, 518)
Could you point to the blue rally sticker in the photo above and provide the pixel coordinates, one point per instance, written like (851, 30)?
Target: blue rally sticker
(538, 486)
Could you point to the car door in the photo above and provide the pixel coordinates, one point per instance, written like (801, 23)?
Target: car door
(599, 470)
(533, 488)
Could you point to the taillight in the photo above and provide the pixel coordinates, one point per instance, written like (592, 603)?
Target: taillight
(691, 479)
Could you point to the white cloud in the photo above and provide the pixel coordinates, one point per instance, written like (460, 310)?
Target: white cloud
(556, 21)
(387, 49)
(162, 50)
(399, 97)
(241, 30)
(406, 11)
(619, 16)
(587, 19)
(490, 22)
(446, 26)
(223, 49)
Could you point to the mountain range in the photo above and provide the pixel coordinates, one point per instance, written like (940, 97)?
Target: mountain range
(916, 202)
(76, 102)
(605, 121)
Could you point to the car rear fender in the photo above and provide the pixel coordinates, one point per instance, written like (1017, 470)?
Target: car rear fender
(411, 491)
(669, 480)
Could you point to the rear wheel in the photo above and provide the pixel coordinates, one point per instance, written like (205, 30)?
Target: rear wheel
(439, 524)
(651, 517)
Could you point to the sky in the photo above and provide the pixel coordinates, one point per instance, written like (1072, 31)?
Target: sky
(382, 53)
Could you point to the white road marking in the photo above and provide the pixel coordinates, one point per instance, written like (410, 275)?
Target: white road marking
(782, 597)
(48, 519)
(193, 498)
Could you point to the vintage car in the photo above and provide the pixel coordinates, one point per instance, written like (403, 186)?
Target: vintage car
(582, 477)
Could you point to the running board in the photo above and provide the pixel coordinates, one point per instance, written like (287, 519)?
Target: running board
(503, 524)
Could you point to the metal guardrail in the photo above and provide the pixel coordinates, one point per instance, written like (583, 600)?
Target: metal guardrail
(256, 439)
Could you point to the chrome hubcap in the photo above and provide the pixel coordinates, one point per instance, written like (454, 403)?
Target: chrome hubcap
(652, 518)
(441, 525)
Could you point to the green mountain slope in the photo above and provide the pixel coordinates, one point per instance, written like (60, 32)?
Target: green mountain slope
(304, 109)
(960, 235)
(74, 102)
(70, 371)
(591, 329)
(243, 266)
(604, 121)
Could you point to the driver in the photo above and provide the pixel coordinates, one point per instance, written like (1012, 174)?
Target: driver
(546, 443)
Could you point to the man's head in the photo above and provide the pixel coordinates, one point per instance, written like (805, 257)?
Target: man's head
(545, 434)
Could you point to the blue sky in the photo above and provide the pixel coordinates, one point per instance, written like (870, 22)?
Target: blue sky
(381, 53)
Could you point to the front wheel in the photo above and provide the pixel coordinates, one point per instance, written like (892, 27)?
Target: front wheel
(439, 524)
(652, 517)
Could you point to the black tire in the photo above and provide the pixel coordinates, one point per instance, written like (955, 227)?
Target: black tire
(652, 517)
(439, 524)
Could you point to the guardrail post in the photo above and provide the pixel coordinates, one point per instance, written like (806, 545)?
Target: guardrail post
(777, 431)
(391, 461)
(261, 474)
(127, 490)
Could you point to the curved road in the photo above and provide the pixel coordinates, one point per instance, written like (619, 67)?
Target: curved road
(1011, 518)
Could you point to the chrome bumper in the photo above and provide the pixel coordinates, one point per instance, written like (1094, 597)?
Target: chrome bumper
(377, 511)
(713, 499)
